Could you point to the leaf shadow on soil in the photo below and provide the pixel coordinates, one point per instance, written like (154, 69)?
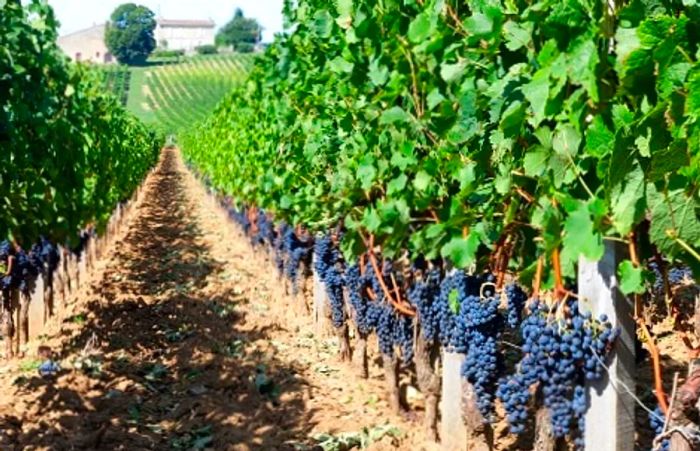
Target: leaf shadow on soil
(163, 367)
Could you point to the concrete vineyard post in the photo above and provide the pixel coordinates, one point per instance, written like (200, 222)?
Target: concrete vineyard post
(610, 419)
(453, 431)
(322, 324)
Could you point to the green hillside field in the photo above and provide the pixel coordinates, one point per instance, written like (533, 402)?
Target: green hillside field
(177, 95)
(117, 78)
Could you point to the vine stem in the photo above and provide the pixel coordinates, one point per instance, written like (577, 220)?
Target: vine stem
(687, 247)
(559, 290)
(650, 342)
(416, 93)
(654, 351)
(673, 401)
(396, 289)
(525, 195)
(538, 278)
(373, 261)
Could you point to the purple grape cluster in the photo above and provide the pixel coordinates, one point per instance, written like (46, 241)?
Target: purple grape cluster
(265, 234)
(561, 351)
(385, 322)
(516, 302)
(7, 250)
(328, 263)
(423, 294)
(83, 237)
(677, 275)
(42, 258)
(240, 217)
(392, 329)
(278, 247)
(454, 291)
(297, 250)
(480, 325)
(444, 313)
(355, 284)
(25, 271)
(49, 254)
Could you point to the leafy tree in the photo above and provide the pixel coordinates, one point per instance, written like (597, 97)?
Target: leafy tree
(129, 34)
(241, 32)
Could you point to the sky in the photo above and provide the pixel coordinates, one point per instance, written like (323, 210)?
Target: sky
(76, 15)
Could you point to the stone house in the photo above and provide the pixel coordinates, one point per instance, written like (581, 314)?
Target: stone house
(184, 35)
(87, 45)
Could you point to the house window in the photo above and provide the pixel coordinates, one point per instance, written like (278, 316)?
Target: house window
(77, 56)
(97, 55)
(108, 57)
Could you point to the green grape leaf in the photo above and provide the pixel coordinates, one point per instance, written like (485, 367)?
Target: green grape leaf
(580, 236)
(467, 176)
(371, 220)
(631, 278)
(451, 72)
(323, 23)
(582, 65)
(512, 119)
(461, 252)
(434, 98)
(404, 156)
(478, 24)
(535, 162)
(599, 138)
(463, 130)
(367, 172)
(673, 216)
(453, 301)
(378, 74)
(627, 200)
(517, 36)
(393, 115)
(420, 28)
(668, 160)
(566, 140)
(537, 93)
(435, 230)
(396, 185)
(422, 181)
(340, 65)
(344, 8)
(626, 42)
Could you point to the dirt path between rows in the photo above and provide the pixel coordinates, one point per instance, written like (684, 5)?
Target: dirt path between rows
(164, 348)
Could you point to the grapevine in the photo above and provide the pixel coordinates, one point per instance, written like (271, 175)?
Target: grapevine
(71, 152)
(515, 140)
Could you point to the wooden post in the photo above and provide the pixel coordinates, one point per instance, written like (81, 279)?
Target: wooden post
(610, 416)
(685, 407)
(82, 266)
(428, 383)
(697, 316)
(453, 431)
(479, 432)
(36, 307)
(322, 323)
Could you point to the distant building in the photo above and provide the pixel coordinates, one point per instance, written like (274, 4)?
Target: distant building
(184, 35)
(87, 45)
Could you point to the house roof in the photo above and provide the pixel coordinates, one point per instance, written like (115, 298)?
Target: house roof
(96, 30)
(186, 23)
